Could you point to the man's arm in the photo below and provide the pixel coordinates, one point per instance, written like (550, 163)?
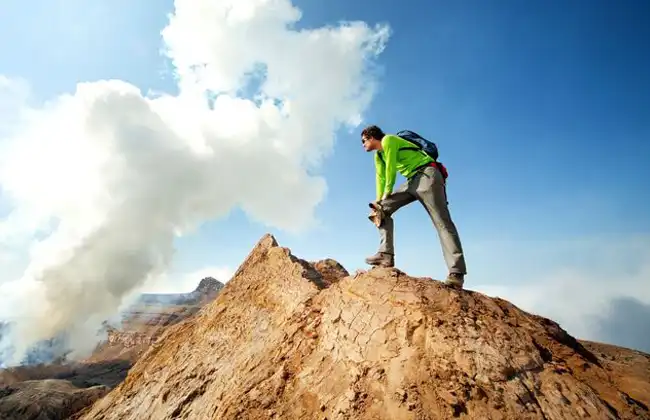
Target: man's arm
(390, 145)
(380, 170)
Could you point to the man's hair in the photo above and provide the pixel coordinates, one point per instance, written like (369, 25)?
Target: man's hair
(373, 131)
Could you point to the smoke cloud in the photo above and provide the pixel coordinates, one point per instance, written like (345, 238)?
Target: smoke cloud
(103, 179)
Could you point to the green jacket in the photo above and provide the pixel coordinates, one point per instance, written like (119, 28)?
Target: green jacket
(393, 159)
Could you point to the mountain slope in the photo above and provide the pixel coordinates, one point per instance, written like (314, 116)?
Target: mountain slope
(282, 341)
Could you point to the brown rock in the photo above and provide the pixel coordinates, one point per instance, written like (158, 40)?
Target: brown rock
(330, 270)
(282, 342)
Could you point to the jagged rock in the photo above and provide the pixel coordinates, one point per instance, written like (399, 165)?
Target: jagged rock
(330, 270)
(282, 342)
(209, 287)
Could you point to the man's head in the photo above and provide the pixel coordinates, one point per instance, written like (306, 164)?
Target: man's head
(371, 138)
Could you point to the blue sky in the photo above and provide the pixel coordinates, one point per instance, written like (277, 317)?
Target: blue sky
(541, 116)
(540, 111)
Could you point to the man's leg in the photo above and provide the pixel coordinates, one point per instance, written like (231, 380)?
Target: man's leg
(399, 198)
(431, 193)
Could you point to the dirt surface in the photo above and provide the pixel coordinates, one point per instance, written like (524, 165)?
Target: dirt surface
(284, 341)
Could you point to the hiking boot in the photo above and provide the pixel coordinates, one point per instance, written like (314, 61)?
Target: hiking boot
(381, 259)
(455, 280)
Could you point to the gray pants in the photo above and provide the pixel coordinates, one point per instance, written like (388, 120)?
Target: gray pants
(426, 186)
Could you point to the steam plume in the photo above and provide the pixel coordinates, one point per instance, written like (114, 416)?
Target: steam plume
(106, 178)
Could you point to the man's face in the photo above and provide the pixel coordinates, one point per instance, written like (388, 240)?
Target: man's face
(368, 143)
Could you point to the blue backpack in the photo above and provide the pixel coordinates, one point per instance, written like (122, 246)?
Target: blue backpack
(420, 143)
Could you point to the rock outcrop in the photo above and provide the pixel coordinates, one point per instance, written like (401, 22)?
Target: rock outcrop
(285, 340)
(331, 271)
(207, 290)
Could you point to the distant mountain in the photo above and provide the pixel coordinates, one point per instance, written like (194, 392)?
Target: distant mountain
(144, 321)
(206, 290)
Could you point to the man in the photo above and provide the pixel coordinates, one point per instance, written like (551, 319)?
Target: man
(425, 183)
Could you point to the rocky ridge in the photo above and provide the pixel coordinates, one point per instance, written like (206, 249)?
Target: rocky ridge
(290, 339)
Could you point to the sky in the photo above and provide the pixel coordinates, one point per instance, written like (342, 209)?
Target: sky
(138, 145)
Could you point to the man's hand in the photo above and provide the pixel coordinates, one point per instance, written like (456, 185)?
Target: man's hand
(377, 203)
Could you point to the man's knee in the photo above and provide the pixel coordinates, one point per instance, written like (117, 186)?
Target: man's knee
(390, 208)
(395, 202)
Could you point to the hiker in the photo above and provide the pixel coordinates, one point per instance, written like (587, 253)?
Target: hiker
(426, 182)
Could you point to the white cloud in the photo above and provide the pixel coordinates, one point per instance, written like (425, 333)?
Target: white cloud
(102, 179)
(581, 284)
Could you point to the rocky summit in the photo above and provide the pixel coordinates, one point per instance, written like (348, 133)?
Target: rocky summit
(288, 339)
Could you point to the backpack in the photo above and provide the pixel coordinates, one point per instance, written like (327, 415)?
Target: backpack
(420, 143)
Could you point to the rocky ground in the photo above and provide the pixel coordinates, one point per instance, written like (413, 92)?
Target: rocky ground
(287, 339)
